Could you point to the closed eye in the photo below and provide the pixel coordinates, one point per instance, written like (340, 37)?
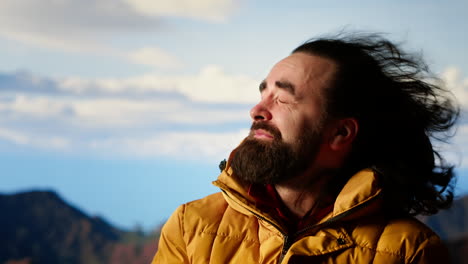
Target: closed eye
(282, 101)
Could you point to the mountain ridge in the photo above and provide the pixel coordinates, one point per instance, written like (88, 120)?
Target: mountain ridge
(41, 227)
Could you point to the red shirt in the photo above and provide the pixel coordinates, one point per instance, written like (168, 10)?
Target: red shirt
(266, 197)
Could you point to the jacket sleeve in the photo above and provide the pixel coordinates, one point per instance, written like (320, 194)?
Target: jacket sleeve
(430, 251)
(171, 247)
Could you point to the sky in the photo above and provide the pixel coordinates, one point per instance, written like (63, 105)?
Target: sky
(126, 107)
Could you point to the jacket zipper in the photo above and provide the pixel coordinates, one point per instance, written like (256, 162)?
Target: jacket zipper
(289, 239)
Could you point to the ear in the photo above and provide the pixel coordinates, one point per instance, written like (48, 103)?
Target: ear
(344, 132)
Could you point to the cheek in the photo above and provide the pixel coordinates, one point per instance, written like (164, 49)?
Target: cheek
(291, 128)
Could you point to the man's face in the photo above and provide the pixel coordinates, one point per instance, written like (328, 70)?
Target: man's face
(287, 122)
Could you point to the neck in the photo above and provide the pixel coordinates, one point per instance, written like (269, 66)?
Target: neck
(303, 193)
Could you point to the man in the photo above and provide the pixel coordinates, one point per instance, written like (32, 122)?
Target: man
(337, 161)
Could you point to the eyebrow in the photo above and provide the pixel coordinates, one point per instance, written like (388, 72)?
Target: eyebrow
(289, 87)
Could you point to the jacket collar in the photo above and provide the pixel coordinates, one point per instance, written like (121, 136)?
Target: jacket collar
(357, 198)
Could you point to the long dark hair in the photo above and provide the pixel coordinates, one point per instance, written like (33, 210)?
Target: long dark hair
(400, 107)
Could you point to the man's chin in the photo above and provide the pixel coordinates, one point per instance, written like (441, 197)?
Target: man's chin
(263, 137)
(261, 140)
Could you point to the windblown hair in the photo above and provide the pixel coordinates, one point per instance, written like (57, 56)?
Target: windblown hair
(400, 107)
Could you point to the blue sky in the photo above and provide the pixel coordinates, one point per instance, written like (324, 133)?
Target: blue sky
(126, 107)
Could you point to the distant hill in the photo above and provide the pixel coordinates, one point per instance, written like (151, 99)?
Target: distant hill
(39, 227)
(451, 224)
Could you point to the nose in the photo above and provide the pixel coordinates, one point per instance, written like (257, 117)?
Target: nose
(260, 113)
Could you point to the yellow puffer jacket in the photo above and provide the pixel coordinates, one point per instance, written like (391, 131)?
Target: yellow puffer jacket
(227, 228)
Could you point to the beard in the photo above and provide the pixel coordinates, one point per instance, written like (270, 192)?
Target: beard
(272, 162)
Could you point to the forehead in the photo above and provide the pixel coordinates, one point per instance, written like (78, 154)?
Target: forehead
(304, 71)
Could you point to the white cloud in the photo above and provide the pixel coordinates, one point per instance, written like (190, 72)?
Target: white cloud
(89, 25)
(457, 84)
(70, 17)
(113, 113)
(179, 145)
(145, 115)
(154, 57)
(211, 84)
(72, 26)
(214, 85)
(213, 10)
(33, 140)
(35, 107)
(190, 145)
(75, 43)
(151, 56)
(13, 136)
(128, 112)
(119, 126)
(457, 153)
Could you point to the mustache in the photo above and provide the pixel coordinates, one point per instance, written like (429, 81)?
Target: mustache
(274, 131)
